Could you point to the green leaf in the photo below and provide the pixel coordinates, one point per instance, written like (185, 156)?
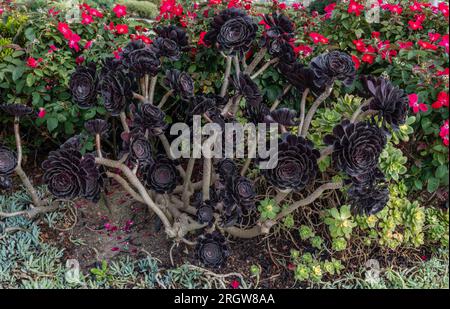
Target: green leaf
(29, 34)
(52, 124)
(433, 184)
(30, 80)
(441, 171)
(17, 73)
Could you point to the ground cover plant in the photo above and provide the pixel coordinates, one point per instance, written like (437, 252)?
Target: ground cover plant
(357, 143)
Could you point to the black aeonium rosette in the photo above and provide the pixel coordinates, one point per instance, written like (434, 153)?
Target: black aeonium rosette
(298, 75)
(175, 34)
(297, 164)
(180, 82)
(5, 182)
(246, 87)
(141, 59)
(202, 103)
(162, 176)
(335, 65)
(388, 101)
(205, 213)
(242, 191)
(115, 88)
(148, 117)
(283, 116)
(226, 168)
(140, 149)
(283, 51)
(83, 85)
(281, 28)
(17, 110)
(233, 30)
(368, 199)
(356, 147)
(97, 126)
(212, 250)
(8, 161)
(69, 175)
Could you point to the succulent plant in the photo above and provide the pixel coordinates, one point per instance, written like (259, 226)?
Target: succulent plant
(283, 116)
(17, 110)
(368, 200)
(83, 85)
(226, 168)
(233, 30)
(180, 82)
(298, 75)
(97, 126)
(116, 90)
(280, 28)
(205, 213)
(141, 59)
(8, 161)
(140, 150)
(5, 182)
(242, 192)
(162, 176)
(335, 65)
(297, 164)
(212, 250)
(246, 87)
(388, 101)
(148, 117)
(356, 147)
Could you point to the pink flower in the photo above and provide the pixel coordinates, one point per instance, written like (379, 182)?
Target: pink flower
(53, 12)
(329, 10)
(369, 58)
(355, 7)
(42, 112)
(73, 41)
(88, 44)
(415, 24)
(360, 45)
(443, 133)
(443, 7)
(444, 42)
(318, 38)
(33, 63)
(356, 62)
(65, 30)
(122, 29)
(305, 50)
(167, 6)
(1, 11)
(434, 36)
(86, 19)
(120, 10)
(415, 105)
(52, 49)
(95, 13)
(79, 60)
(427, 45)
(416, 7)
(444, 72)
(393, 8)
(235, 284)
(297, 6)
(405, 45)
(442, 100)
(376, 35)
(114, 249)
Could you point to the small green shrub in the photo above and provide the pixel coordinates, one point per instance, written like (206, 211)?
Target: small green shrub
(145, 9)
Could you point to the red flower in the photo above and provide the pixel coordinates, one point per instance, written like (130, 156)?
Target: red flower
(214, 2)
(73, 41)
(167, 6)
(88, 44)
(444, 133)
(1, 11)
(376, 35)
(329, 10)
(443, 7)
(415, 105)
(95, 12)
(79, 60)
(42, 112)
(122, 29)
(355, 7)
(393, 8)
(442, 100)
(318, 38)
(33, 63)
(356, 62)
(427, 45)
(444, 72)
(86, 19)
(370, 49)
(369, 58)
(52, 12)
(305, 50)
(52, 49)
(201, 38)
(415, 24)
(416, 7)
(235, 284)
(360, 45)
(297, 6)
(120, 10)
(420, 17)
(434, 36)
(405, 45)
(65, 30)
(177, 10)
(117, 53)
(444, 42)
(282, 6)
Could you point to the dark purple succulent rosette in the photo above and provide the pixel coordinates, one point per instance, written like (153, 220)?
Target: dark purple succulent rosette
(8, 161)
(356, 147)
(16, 110)
(141, 59)
(212, 250)
(241, 191)
(335, 65)
(283, 116)
(162, 176)
(368, 199)
(140, 150)
(226, 168)
(149, 118)
(297, 164)
(115, 88)
(69, 175)
(83, 85)
(5, 182)
(283, 51)
(281, 28)
(246, 87)
(97, 126)
(298, 75)
(233, 31)
(388, 101)
(175, 34)
(180, 82)
(205, 213)
(202, 103)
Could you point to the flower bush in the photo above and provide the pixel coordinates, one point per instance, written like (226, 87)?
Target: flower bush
(340, 100)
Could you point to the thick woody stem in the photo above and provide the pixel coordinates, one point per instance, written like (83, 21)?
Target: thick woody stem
(165, 98)
(19, 171)
(278, 100)
(142, 191)
(151, 92)
(258, 57)
(187, 182)
(32, 212)
(237, 66)
(207, 164)
(357, 113)
(126, 186)
(98, 145)
(264, 67)
(123, 121)
(224, 88)
(302, 110)
(314, 108)
(146, 92)
(325, 153)
(138, 96)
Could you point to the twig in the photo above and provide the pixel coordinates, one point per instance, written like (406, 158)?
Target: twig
(19, 171)
(151, 93)
(302, 110)
(187, 181)
(314, 108)
(359, 110)
(138, 96)
(258, 57)
(325, 153)
(165, 98)
(123, 120)
(237, 67)
(264, 67)
(207, 164)
(98, 145)
(278, 100)
(224, 88)
(32, 212)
